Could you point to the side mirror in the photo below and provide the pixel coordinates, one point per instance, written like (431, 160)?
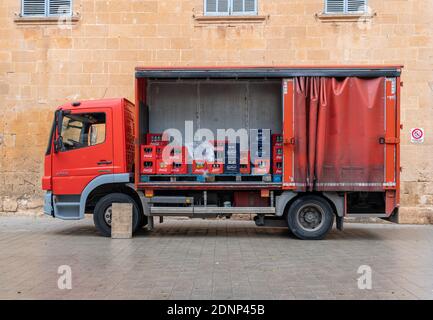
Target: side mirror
(59, 123)
(58, 142)
(93, 135)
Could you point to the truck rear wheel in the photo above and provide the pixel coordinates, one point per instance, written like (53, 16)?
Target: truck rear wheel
(103, 211)
(310, 218)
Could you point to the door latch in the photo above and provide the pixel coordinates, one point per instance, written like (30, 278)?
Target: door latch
(289, 140)
(393, 140)
(102, 162)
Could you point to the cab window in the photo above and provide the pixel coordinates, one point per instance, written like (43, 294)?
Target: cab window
(83, 130)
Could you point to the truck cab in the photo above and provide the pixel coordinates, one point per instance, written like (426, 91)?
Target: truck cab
(90, 150)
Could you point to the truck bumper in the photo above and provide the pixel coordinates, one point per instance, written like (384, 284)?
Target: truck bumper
(48, 204)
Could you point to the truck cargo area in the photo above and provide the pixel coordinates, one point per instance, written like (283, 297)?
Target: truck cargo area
(210, 104)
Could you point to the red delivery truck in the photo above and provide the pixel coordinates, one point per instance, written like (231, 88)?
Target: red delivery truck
(340, 128)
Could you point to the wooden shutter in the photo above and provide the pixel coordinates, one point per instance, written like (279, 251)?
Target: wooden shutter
(59, 7)
(238, 5)
(345, 6)
(244, 6)
(223, 6)
(210, 6)
(216, 7)
(33, 8)
(334, 6)
(356, 5)
(250, 6)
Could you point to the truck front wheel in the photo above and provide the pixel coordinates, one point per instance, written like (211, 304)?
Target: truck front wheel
(310, 218)
(103, 211)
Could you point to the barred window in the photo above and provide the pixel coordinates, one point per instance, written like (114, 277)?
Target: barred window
(230, 7)
(345, 6)
(46, 8)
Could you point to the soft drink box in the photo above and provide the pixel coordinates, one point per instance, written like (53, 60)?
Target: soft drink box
(155, 139)
(261, 167)
(232, 158)
(148, 152)
(199, 167)
(148, 167)
(163, 167)
(245, 163)
(179, 168)
(215, 168)
(278, 167)
(277, 153)
(277, 139)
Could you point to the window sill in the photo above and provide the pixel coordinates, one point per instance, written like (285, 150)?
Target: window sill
(46, 20)
(350, 17)
(230, 19)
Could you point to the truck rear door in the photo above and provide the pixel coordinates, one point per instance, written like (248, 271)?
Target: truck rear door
(340, 134)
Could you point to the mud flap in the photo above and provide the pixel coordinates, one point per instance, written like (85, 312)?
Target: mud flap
(340, 223)
(48, 204)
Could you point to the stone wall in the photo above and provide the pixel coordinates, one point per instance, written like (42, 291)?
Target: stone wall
(44, 65)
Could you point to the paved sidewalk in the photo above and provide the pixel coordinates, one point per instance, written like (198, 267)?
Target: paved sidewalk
(206, 259)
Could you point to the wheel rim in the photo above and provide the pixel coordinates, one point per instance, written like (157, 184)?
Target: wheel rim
(107, 215)
(310, 217)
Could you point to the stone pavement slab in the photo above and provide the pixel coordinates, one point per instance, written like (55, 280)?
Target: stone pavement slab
(212, 259)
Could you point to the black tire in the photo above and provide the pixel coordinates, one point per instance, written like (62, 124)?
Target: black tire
(105, 202)
(143, 222)
(310, 218)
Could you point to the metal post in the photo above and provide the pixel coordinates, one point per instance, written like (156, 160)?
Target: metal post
(205, 198)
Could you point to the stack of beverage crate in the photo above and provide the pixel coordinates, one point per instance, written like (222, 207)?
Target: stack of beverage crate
(155, 161)
(232, 158)
(260, 149)
(277, 157)
(151, 153)
(217, 165)
(264, 157)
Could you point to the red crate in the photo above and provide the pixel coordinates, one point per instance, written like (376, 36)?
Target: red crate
(199, 167)
(277, 153)
(148, 166)
(163, 167)
(155, 139)
(277, 139)
(159, 150)
(148, 152)
(179, 168)
(215, 168)
(261, 167)
(245, 163)
(178, 154)
(277, 167)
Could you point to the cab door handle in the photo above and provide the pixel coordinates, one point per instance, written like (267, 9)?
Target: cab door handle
(102, 162)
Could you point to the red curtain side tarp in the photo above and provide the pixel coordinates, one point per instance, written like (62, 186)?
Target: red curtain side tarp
(338, 126)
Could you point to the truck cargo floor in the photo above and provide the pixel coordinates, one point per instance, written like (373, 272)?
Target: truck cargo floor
(209, 185)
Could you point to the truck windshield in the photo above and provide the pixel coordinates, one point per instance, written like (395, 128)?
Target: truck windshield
(83, 130)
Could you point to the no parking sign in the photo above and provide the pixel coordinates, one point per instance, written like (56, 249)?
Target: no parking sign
(417, 135)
